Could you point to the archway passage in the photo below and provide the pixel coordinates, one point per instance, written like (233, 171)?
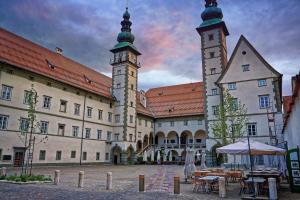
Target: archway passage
(199, 138)
(172, 139)
(139, 146)
(216, 159)
(151, 138)
(160, 139)
(130, 155)
(186, 138)
(116, 155)
(174, 155)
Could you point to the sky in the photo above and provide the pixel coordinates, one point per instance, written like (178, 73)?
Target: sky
(164, 33)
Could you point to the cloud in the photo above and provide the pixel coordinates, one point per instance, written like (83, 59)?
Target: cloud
(165, 32)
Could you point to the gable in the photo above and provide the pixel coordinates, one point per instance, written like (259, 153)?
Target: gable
(245, 54)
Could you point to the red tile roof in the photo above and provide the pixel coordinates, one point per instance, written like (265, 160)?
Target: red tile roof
(170, 101)
(26, 55)
(176, 100)
(289, 101)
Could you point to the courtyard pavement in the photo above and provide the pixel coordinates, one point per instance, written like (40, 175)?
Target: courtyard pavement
(158, 181)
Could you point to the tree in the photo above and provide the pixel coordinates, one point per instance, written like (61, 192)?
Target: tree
(230, 119)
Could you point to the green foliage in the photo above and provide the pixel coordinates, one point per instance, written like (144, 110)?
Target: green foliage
(230, 119)
(26, 178)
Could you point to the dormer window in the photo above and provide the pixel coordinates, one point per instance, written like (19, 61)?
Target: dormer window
(89, 81)
(50, 65)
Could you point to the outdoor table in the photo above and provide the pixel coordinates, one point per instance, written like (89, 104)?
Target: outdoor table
(256, 181)
(265, 175)
(208, 180)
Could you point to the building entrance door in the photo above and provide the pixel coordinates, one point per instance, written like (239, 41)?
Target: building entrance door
(115, 159)
(19, 157)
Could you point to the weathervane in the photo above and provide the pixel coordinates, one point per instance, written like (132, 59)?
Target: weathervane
(126, 3)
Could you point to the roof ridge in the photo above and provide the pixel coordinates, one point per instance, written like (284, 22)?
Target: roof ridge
(198, 82)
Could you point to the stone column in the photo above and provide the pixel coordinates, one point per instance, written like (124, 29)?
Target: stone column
(109, 181)
(222, 187)
(56, 177)
(272, 189)
(80, 179)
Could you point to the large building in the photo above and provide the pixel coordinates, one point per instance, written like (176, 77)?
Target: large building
(86, 117)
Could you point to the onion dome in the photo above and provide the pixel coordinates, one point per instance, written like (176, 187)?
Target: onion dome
(125, 35)
(211, 11)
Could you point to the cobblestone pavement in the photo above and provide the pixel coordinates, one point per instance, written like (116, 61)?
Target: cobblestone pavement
(158, 179)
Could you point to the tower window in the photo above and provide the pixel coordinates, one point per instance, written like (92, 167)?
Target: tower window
(213, 71)
(244, 52)
(132, 73)
(119, 85)
(211, 37)
(132, 87)
(246, 67)
(119, 72)
(131, 104)
(211, 54)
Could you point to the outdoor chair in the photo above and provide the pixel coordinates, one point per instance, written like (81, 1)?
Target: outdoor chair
(214, 186)
(245, 187)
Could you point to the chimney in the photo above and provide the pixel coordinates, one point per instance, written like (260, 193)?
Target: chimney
(58, 50)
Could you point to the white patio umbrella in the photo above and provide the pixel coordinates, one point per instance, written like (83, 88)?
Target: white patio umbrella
(152, 156)
(145, 156)
(170, 156)
(256, 148)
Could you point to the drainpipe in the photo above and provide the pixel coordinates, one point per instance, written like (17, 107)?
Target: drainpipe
(82, 129)
(153, 138)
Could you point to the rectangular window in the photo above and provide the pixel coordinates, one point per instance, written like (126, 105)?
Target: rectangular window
(119, 85)
(84, 155)
(3, 122)
(6, 92)
(26, 97)
(211, 54)
(42, 155)
(199, 122)
(139, 134)
(246, 67)
(47, 102)
(44, 127)
(213, 71)
(215, 109)
(117, 118)
(251, 129)
(87, 133)
(73, 154)
(159, 124)
(151, 124)
(214, 91)
(58, 155)
(264, 101)
(171, 123)
(132, 86)
(99, 134)
(89, 112)
(198, 141)
(109, 117)
(185, 122)
(131, 103)
(61, 129)
(130, 137)
(119, 72)
(140, 122)
(106, 156)
(234, 102)
(131, 119)
(63, 106)
(24, 124)
(117, 136)
(75, 130)
(146, 123)
(231, 86)
(76, 109)
(97, 155)
(108, 138)
(210, 37)
(100, 113)
(262, 82)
